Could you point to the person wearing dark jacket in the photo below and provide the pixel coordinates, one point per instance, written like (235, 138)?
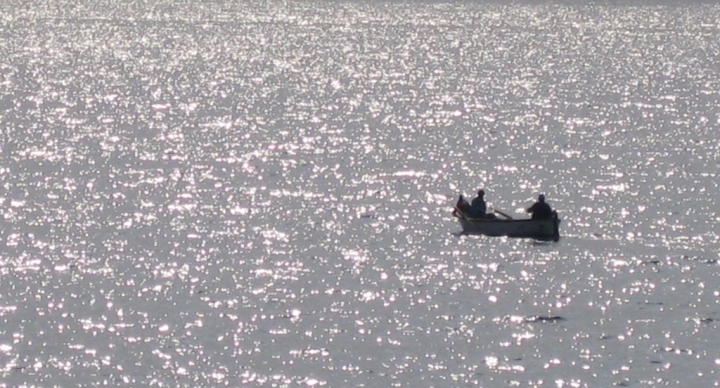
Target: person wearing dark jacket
(478, 208)
(540, 210)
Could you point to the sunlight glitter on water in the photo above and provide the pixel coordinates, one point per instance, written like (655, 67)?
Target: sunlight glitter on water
(203, 194)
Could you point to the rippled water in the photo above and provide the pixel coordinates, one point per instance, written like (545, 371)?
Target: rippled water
(258, 194)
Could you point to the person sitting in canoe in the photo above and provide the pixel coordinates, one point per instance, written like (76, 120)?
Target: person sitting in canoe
(478, 208)
(541, 210)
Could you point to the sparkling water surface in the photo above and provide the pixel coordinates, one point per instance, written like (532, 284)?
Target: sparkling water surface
(258, 194)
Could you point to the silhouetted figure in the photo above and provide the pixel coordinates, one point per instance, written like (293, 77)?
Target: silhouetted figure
(478, 208)
(541, 210)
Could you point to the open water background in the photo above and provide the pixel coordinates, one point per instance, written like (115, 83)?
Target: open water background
(258, 194)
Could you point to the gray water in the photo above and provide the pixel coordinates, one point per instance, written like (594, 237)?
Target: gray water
(258, 194)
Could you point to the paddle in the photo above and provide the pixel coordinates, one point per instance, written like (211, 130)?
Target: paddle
(456, 210)
(503, 214)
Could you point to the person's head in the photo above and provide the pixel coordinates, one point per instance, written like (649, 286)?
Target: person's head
(481, 193)
(541, 198)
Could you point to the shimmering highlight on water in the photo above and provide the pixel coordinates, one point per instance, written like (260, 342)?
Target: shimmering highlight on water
(258, 194)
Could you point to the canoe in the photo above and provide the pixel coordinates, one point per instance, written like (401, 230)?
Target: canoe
(548, 229)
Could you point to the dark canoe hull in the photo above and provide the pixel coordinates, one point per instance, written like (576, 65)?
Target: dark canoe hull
(537, 229)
